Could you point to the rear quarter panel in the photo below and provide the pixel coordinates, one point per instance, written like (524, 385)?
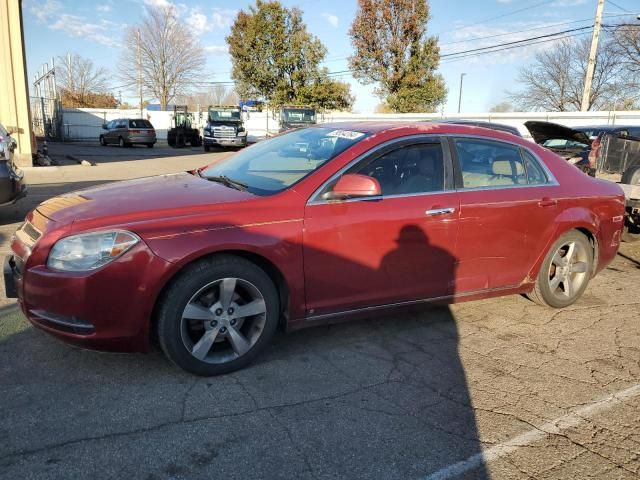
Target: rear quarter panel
(584, 203)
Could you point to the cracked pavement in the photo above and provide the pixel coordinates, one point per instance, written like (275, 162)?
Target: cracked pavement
(402, 395)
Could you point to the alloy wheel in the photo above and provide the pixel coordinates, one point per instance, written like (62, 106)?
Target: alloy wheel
(223, 320)
(568, 270)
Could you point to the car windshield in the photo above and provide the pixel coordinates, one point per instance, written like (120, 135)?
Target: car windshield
(299, 115)
(224, 115)
(274, 165)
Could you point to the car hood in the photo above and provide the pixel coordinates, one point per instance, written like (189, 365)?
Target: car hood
(543, 131)
(141, 199)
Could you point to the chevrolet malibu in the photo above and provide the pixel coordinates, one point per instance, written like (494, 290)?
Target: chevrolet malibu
(324, 222)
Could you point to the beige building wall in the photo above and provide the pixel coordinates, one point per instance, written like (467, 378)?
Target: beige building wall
(14, 93)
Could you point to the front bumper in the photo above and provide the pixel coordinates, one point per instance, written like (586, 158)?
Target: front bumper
(107, 309)
(225, 142)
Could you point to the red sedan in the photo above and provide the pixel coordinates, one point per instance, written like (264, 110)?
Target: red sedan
(322, 222)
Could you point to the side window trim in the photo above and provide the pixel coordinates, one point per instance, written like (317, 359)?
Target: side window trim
(383, 149)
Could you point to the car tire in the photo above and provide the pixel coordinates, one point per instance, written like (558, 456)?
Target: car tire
(207, 148)
(122, 143)
(102, 141)
(196, 326)
(631, 176)
(561, 280)
(149, 145)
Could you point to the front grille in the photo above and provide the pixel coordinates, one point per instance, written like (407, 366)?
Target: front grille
(224, 132)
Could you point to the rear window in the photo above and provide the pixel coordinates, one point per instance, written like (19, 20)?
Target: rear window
(140, 123)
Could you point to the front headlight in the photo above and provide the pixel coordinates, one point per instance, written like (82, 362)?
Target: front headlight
(88, 251)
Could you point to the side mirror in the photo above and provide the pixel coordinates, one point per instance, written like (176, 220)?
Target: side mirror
(354, 186)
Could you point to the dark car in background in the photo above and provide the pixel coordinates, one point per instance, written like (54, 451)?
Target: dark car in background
(292, 117)
(224, 128)
(12, 187)
(595, 131)
(127, 132)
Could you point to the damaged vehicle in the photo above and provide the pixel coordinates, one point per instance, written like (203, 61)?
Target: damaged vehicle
(573, 145)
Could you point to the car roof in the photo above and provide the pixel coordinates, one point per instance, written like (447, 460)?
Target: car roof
(419, 127)
(605, 127)
(490, 125)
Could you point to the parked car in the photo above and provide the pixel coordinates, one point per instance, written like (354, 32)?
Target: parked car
(127, 132)
(310, 226)
(571, 144)
(12, 186)
(501, 127)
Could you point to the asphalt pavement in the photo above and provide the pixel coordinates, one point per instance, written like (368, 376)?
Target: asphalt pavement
(499, 388)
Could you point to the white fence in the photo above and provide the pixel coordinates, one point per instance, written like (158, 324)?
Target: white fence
(86, 123)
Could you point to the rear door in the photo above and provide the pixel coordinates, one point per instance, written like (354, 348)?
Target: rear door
(394, 248)
(507, 203)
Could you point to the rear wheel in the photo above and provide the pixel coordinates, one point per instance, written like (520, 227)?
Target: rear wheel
(565, 271)
(631, 176)
(102, 141)
(218, 315)
(149, 145)
(121, 142)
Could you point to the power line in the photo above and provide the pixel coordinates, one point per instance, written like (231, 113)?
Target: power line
(514, 46)
(619, 7)
(515, 42)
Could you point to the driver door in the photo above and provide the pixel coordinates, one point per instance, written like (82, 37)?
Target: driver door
(394, 248)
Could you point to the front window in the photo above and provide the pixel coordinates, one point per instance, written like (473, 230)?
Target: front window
(222, 115)
(274, 165)
(299, 115)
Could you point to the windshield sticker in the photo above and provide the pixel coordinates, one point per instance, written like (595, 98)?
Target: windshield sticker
(348, 134)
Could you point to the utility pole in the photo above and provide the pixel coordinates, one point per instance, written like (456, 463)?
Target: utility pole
(460, 96)
(139, 70)
(588, 80)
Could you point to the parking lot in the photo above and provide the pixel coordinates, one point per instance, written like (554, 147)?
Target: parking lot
(498, 388)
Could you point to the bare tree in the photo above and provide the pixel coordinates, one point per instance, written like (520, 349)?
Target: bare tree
(79, 80)
(555, 80)
(162, 54)
(627, 44)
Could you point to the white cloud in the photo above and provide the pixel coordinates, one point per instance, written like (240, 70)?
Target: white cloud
(158, 3)
(104, 8)
(223, 18)
(216, 49)
(78, 27)
(44, 11)
(198, 22)
(331, 18)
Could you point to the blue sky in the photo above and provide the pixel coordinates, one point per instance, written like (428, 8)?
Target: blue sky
(95, 30)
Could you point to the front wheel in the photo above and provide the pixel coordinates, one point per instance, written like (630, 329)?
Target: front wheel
(149, 145)
(218, 315)
(102, 141)
(121, 142)
(565, 271)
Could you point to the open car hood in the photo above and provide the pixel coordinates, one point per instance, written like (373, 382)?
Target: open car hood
(543, 131)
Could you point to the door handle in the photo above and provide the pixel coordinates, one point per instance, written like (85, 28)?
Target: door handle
(548, 202)
(440, 211)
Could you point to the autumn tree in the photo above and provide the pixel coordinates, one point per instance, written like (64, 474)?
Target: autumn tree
(162, 53)
(81, 83)
(555, 79)
(392, 49)
(274, 57)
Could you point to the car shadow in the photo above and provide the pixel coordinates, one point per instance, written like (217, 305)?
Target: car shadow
(382, 396)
